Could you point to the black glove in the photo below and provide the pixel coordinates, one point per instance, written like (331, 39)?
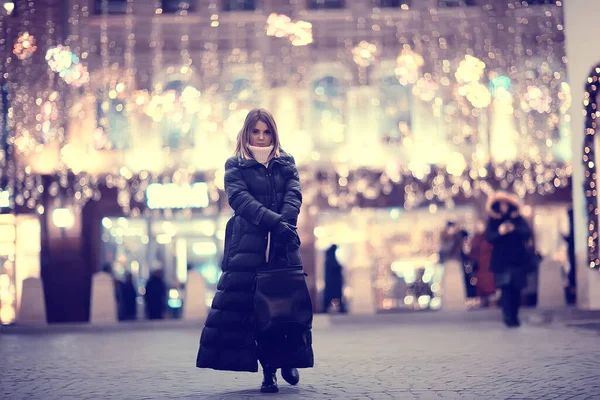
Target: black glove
(285, 233)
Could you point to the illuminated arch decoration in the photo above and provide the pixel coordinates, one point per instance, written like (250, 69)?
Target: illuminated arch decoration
(592, 90)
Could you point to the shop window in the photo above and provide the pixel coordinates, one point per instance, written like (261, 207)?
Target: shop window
(112, 6)
(325, 4)
(178, 248)
(174, 6)
(239, 5)
(329, 110)
(406, 275)
(457, 3)
(396, 101)
(394, 3)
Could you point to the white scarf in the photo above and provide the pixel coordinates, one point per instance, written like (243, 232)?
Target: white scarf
(261, 154)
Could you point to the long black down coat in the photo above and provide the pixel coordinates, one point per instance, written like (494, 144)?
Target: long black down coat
(512, 256)
(260, 197)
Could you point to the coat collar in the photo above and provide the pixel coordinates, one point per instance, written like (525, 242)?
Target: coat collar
(284, 159)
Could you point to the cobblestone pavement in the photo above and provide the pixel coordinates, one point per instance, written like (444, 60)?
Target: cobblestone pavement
(366, 359)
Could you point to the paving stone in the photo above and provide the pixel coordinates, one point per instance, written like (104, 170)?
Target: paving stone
(364, 359)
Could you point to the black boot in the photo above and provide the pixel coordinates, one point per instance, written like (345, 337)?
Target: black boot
(290, 375)
(269, 384)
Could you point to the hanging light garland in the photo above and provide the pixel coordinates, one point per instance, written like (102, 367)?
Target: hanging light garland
(299, 33)
(500, 83)
(425, 88)
(590, 102)
(537, 99)
(47, 118)
(408, 66)
(24, 46)
(365, 54)
(470, 69)
(64, 62)
(477, 94)
(433, 81)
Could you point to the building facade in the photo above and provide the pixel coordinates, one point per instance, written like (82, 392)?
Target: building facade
(388, 106)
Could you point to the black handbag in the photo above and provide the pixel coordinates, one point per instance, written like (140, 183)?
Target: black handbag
(282, 301)
(532, 258)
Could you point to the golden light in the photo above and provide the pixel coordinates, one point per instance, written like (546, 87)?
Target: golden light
(469, 70)
(299, 33)
(24, 46)
(408, 66)
(9, 7)
(365, 53)
(478, 94)
(425, 88)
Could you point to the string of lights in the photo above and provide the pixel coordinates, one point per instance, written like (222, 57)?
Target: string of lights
(592, 90)
(486, 113)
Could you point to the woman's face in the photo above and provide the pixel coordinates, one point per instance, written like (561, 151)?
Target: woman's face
(261, 135)
(504, 207)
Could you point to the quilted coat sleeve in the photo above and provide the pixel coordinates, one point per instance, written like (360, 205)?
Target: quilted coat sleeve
(522, 228)
(292, 197)
(242, 202)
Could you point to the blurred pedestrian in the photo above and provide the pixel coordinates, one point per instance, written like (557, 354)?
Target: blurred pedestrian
(263, 188)
(155, 298)
(468, 268)
(419, 287)
(334, 281)
(571, 289)
(481, 254)
(128, 305)
(451, 256)
(512, 256)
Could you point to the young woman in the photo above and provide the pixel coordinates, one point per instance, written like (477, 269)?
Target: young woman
(512, 255)
(263, 188)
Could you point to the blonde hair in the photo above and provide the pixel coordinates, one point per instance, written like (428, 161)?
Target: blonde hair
(243, 138)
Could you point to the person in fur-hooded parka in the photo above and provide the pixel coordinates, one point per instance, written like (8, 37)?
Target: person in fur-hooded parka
(510, 235)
